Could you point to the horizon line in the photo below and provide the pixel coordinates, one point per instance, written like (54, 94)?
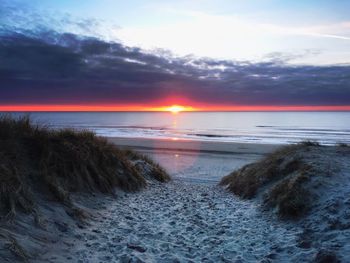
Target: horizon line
(142, 108)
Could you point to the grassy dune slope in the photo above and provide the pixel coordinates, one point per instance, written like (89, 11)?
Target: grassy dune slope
(307, 182)
(285, 178)
(37, 163)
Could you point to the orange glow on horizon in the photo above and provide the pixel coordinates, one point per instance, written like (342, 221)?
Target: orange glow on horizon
(173, 108)
(176, 108)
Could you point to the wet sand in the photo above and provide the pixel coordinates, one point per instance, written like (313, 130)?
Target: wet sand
(197, 161)
(194, 146)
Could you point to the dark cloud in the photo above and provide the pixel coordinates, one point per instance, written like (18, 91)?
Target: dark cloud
(40, 65)
(282, 58)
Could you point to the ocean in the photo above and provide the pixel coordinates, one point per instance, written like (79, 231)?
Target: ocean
(250, 127)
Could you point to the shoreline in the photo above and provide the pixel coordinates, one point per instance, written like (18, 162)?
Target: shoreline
(183, 145)
(196, 161)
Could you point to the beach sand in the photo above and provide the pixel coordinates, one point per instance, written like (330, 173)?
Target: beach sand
(179, 222)
(189, 219)
(197, 161)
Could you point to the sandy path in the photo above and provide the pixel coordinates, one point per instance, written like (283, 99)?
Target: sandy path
(182, 222)
(187, 220)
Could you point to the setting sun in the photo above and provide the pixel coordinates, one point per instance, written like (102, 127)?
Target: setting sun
(175, 108)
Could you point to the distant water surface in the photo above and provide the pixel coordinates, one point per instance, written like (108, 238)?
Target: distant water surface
(253, 127)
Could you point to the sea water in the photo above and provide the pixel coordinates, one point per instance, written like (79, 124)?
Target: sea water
(249, 127)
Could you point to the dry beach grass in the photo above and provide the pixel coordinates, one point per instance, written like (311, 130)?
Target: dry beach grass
(284, 178)
(40, 163)
(281, 176)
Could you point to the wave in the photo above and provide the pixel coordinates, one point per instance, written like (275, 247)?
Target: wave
(246, 136)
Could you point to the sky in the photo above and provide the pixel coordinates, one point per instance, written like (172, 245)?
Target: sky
(138, 54)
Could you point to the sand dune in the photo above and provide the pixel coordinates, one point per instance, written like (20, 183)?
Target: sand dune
(191, 219)
(196, 221)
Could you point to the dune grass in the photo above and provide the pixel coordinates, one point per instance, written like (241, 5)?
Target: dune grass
(36, 159)
(154, 169)
(290, 196)
(281, 176)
